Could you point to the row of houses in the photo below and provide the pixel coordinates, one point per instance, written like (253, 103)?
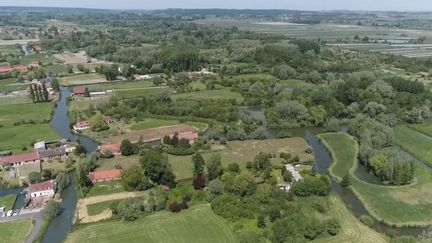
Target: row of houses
(21, 68)
(40, 153)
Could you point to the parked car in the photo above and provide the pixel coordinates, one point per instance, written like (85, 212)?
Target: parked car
(9, 213)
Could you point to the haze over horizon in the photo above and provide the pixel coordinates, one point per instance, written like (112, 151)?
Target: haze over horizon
(365, 5)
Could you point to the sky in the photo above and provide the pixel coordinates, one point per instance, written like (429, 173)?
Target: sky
(386, 5)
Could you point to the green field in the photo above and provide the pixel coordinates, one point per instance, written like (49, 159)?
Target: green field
(138, 92)
(10, 49)
(56, 69)
(97, 208)
(18, 112)
(394, 205)
(8, 201)
(16, 137)
(16, 231)
(105, 188)
(44, 58)
(121, 85)
(196, 224)
(11, 84)
(80, 79)
(414, 142)
(224, 93)
(352, 230)
(21, 99)
(425, 128)
(241, 152)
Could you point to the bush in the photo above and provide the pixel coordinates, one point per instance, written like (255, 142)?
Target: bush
(284, 134)
(199, 182)
(174, 207)
(367, 220)
(180, 150)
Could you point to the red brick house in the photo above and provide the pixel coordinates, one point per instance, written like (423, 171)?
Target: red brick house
(19, 159)
(10, 68)
(113, 147)
(105, 175)
(191, 136)
(81, 125)
(43, 189)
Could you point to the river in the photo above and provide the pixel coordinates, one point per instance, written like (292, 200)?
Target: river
(323, 161)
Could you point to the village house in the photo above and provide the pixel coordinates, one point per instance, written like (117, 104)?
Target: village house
(79, 91)
(81, 125)
(286, 186)
(57, 150)
(85, 124)
(141, 76)
(43, 189)
(203, 72)
(191, 136)
(105, 175)
(34, 64)
(19, 159)
(37, 48)
(113, 147)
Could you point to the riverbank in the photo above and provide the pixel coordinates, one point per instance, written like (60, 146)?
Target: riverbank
(397, 206)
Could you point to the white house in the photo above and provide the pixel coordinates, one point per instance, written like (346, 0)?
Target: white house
(43, 189)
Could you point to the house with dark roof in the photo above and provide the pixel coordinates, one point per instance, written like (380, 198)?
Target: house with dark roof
(105, 175)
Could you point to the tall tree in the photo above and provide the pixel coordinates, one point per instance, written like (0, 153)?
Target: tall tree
(214, 167)
(198, 164)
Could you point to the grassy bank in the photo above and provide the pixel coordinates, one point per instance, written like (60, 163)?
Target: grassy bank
(197, 224)
(8, 202)
(409, 205)
(414, 142)
(16, 231)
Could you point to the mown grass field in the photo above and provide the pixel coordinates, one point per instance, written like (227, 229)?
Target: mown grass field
(10, 49)
(97, 208)
(21, 99)
(124, 161)
(19, 112)
(352, 230)
(8, 201)
(425, 128)
(414, 142)
(16, 137)
(138, 92)
(121, 85)
(16, 231)
(407, 205)
(224, 93)
(40, 57)
(11, 84)
(197, 224)
(241, 152)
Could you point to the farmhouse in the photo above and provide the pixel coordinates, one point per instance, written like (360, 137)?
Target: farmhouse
(37, 48)
(79, 91)
(19, 159)
(113, 147)
(294, 171)
(81, 125)
(105, 175)
(141, 77)
(43, 189)
(191, 136)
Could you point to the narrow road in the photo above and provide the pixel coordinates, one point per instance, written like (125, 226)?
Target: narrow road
(36, 216)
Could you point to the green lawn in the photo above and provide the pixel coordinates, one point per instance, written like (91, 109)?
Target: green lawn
(11, 84)
(10, 49)
(224, 93)
(105, 188)
(40, 57)
(395, 205)
(425, 128)
(56, 69)
(16, 137)
(16, 231)
(121, 85)
(196, 224)
(11, 113)
(22, 99)
(97, 208)
(8, 201)
(414, 142)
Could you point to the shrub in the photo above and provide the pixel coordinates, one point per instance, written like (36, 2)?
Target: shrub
(174, 207)
(367, 220)
(199, 182)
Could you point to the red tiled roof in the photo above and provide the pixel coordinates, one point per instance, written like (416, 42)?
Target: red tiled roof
(188, 135)
(105, 175)
(79, 90)
(83, 123)
(43, 186)
(17, 158)
(115, 148)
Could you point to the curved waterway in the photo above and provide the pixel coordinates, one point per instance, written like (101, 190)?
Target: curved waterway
(61, 225)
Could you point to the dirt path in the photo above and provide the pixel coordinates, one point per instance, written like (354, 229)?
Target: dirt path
(81, 210)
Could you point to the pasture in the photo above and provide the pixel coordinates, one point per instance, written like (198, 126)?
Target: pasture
(154, 122)
(124, 161)
(196, 224)
(105, 188)
(10, 49)
(241, 152)
(224, 93)
(82, 79)
(131, 93)
(11, 84)
(409, 205)
(16, 138)
(16, 231)
(39, 57)
(118, 85)
(414, 142)
(12, 113)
